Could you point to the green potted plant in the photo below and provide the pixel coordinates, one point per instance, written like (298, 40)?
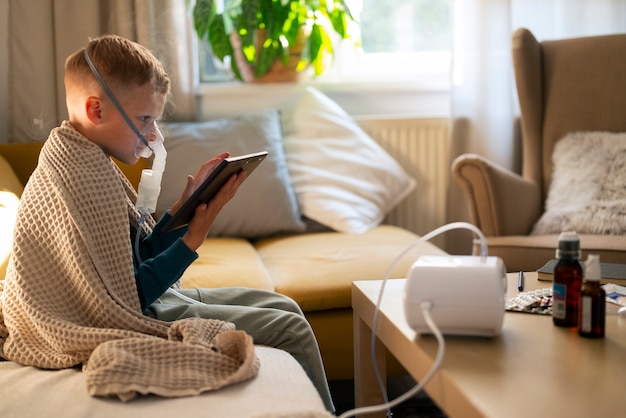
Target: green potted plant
(278, 35)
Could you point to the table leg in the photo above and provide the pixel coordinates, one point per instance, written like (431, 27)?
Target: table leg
(366, 389)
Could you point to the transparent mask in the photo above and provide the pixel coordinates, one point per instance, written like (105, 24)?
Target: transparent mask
(148, 139)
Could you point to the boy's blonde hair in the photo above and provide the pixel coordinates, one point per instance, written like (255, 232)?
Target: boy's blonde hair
(121, 62)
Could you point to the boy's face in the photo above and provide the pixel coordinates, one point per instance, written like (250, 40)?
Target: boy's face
(143, 106)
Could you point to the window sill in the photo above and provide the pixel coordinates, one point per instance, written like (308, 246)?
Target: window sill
(427, 98)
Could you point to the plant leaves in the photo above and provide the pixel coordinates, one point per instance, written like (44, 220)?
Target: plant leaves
(278, 23)
(266, 59)
(339, 20)
(316, 42)
(219, 39)
(202, 13)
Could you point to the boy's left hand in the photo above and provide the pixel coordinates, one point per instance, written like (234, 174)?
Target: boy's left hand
(206, 213)
(193, 182)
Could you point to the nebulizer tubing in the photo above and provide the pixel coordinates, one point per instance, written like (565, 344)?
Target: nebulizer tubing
(114, 100)
(148, 193)
(150, 183)
(426, 307)
(149, 190)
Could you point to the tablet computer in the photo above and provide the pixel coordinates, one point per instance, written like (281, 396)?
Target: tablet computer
(212, 185)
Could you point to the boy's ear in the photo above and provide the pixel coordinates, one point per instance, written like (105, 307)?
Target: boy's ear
(93, 110)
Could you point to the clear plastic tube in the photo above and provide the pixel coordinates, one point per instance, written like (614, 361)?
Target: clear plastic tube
(389, 404)
(183, 297)
(426, 307)
(138, 236)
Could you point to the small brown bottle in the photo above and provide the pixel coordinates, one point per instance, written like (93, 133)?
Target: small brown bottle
(592, 308)
(567, 281)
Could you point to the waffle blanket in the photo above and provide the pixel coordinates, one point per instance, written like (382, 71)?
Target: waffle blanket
(70, 298)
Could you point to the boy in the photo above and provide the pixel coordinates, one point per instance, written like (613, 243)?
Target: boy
(73, 270)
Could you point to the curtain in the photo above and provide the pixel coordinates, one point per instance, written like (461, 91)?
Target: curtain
(42, 33)
(483, 97)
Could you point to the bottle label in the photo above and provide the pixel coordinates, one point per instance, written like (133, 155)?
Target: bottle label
(586, 313)
(559, 297)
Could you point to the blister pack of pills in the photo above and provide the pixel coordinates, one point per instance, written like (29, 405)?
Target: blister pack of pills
(534, 301)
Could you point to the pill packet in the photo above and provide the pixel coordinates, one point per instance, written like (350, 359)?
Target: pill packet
(533, 301)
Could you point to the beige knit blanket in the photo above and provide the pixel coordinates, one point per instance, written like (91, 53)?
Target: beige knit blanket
(70, 296)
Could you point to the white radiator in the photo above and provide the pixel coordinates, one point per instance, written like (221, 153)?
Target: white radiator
(422, 147)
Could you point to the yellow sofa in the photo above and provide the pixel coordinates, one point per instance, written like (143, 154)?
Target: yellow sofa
(315, 269)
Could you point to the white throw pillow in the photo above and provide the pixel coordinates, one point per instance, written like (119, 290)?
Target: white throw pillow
(588, 190)
(343, 179)
(266, 203)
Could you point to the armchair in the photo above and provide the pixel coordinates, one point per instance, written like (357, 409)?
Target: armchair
(564, 86)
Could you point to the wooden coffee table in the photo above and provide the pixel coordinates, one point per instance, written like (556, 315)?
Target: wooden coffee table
(532, 369)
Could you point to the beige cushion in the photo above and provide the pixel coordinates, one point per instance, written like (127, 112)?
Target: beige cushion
(266, 203)
(225, 262)
(281, 389)
(8, 179)
(10, 190)
(317, 270)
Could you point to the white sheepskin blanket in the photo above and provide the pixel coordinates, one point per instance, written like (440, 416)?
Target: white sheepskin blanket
(588, 189)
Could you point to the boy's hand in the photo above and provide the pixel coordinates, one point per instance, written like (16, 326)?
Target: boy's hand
(205, 214)
(193, 182)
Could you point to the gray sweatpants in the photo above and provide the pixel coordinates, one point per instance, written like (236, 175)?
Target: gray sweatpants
(272, 320)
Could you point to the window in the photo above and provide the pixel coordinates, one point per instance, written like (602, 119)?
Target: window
(403, 41)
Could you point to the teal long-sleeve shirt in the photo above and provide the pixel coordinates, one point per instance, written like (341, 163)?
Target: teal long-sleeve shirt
(164, 259)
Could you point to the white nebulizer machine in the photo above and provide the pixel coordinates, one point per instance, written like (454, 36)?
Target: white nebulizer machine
(467, 294)
(444, 294)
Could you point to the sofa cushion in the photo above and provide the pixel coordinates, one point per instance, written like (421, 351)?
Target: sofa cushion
(342, 177)
(8, 179)
(266, 203)
(281, 389)
(317, 270)
(225, 262)
(10, 190)
(23, 158)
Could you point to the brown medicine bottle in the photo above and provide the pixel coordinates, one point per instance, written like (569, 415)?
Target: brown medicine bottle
(567, 281)
(592, 308)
